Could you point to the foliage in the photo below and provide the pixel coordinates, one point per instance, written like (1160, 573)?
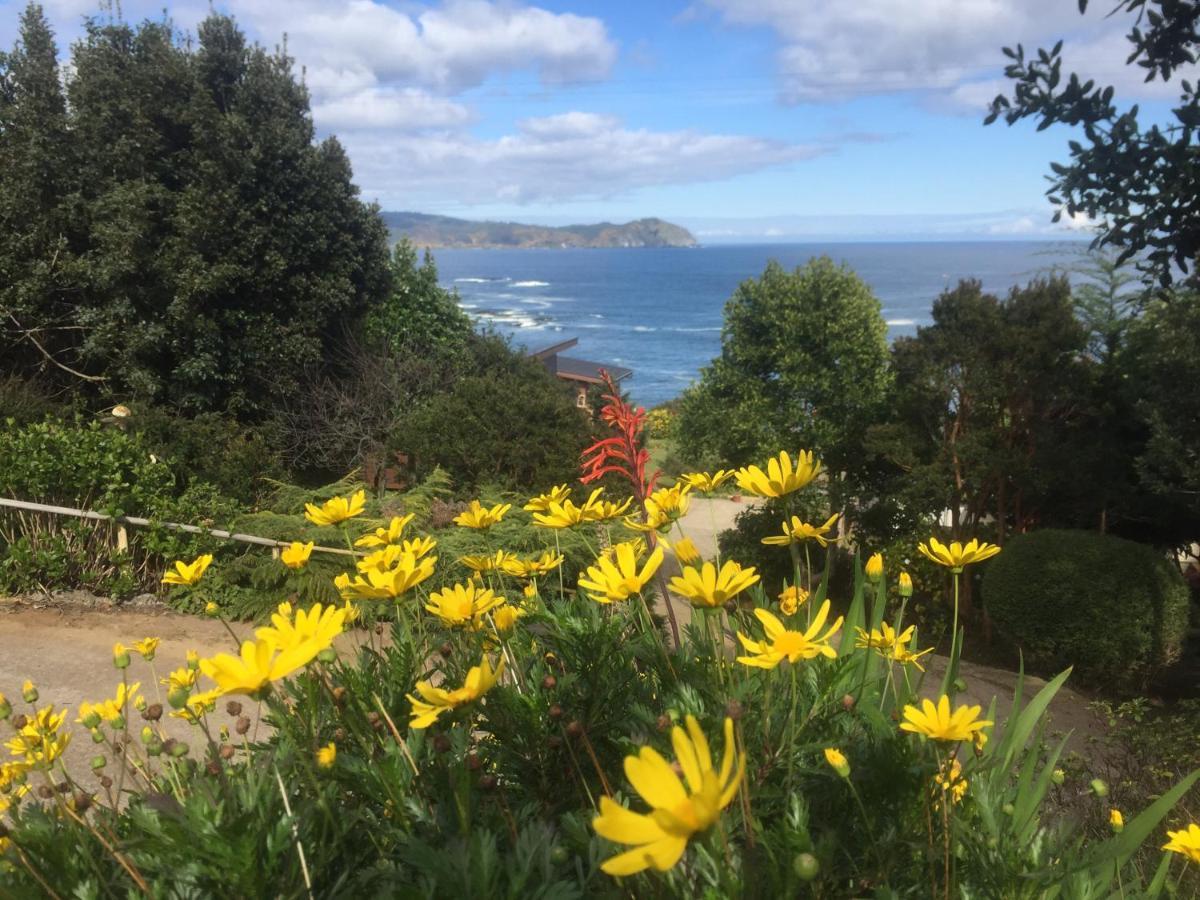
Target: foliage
(199, 257)
(418, 315)
(105, 469)
(504, 420)
(1114, 610)
(1136, 182)
(495, 799)
(803, 362)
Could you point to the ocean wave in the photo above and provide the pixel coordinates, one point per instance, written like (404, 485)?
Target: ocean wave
(643, 328)
(901, 322)
(695, 330)
(531, 284)
(489, 280)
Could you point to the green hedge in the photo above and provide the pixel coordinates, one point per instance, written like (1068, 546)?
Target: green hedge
(1115, 610)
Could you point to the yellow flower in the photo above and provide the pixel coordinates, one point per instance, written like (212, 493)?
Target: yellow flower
(791, 598)
(940, 724)
(198, 705)
(188, 573)
(684, 549)
(782, 643)
(955, 556)
(295, 555)
(949, 779)
(327, 756)
(1185, 842)
(111, 711)
(381, 537)
(146, 647)
(481, 517)
(781, 477)
(478, 682)
(704, 482)
(706, 586)
(597, 510)
(308, 633)
(874, 568)
(616, 577)
(505, 616)
(541, 503)
(905, 584)
(336, 509)
(419, 546)
(532, 568)
(352, 612)
(1116, 820)
(181, 679)
(383, 584)
(679, 810)
(211, 609)
(904, 656)
(120, 656)
(883, 638)
(38, 743)
(557, 514)
(498, 561)
(462, 606)
(837, 761)
(193, 659)
(530, 591)
(796, 531)
(259, 663)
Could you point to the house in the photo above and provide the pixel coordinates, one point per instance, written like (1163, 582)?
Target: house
(581, 373)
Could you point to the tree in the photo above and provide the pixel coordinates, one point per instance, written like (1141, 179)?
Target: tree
(39, 227)
(803, 364)
(214, 251)
(1141, 184)
(993, 417)
(418, 313)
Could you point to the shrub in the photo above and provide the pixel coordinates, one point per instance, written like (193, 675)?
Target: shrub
(1115, 610)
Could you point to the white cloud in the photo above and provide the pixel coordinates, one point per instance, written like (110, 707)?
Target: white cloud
(833, 49)
(406, 109)
(571, 156)
(450, 47)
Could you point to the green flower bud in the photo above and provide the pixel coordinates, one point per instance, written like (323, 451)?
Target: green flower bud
(1008, 809)
(327, 655)
(178, 697)
(1099, 788)
(97, 736)
(148, 735)
(29, 693)
(98, 763)
(179, 749)
(120, 656)
(806, 866)
(1058, 776)
(5, 709)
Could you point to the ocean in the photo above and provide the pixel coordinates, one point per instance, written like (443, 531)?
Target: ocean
(658, 311)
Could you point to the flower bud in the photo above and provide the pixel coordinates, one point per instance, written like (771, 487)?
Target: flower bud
(960, 685)
(178, 697)
(837, 761)
(806, 866)
(29, 693)
(148, 736)
(905, 584)
(105, 782)
(226, 751)
(88, 716)
(211, 609)
(1116, 820)
(549, 683)
(1058, 776)
(193, 660)
(555, 712)
(1099, 788)
(574, 728)
(153, 712)
(98, 762)
(97, 736)
(234, 708)
(81, 802)
(5, 708)
(874, 568)
(120, 656)
(327, 655)
(242, 725)
(180, 749)
(1008, 809)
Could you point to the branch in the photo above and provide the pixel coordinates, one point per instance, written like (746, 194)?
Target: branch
(28, 334)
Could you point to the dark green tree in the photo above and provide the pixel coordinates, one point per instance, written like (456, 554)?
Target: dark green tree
(1139, 182)
(39, 221)
(803, 364)
(210, 250)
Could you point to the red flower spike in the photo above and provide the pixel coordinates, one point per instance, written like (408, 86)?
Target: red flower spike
(623, 454)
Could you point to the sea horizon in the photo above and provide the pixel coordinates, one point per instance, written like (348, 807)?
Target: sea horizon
(658, 311)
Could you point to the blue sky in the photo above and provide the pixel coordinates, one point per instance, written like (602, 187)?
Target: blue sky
(742, 119)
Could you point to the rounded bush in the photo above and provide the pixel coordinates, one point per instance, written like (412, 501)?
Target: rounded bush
(1114, 609)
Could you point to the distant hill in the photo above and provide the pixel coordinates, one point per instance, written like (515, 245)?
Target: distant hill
(443, 231)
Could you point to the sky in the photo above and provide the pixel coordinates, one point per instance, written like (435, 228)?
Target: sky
(744, 120)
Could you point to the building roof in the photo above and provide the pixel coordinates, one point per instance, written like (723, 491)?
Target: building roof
(585, 370)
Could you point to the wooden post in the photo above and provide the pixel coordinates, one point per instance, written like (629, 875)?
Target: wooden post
(122, 539)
